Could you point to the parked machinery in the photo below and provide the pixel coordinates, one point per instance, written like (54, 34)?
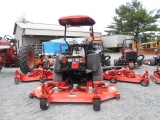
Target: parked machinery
(40, 74)
(30, 56)
(8, 51)
(129, 56)
(78, 75)
(126, 75)
(155, 77)
(98, 45)
(155, 60)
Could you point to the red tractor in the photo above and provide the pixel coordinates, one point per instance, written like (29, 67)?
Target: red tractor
(78, 75)
(8, 52)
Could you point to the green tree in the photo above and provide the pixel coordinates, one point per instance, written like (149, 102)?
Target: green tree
(133, 18)
(23, 19)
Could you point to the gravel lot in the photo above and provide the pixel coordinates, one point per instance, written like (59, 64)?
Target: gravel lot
(136, 103)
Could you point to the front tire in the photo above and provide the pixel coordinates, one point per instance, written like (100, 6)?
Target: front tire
(31, 96)
(16, 81)
(144, 84)
(96, 104)
(44, 105)
(113, 80)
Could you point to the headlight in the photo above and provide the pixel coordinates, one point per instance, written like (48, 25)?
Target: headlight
(69, 59)
(11, 43)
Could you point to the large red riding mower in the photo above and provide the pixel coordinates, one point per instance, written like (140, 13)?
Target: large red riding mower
(129, 54)
(78, 75)
(8, 52)
(126, 75)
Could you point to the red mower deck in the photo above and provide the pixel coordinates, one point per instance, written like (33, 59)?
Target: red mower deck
(60, 92)
(39, 74)
(156, 75)
(126, 75)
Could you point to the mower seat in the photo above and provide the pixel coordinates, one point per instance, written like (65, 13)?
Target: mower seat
(80, 53)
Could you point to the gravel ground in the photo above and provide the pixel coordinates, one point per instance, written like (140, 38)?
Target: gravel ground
(136, 103)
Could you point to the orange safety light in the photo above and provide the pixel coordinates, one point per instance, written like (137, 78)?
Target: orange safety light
(64, 60)
(83, 60)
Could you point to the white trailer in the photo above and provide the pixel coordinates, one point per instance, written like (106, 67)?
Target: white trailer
(115, 41)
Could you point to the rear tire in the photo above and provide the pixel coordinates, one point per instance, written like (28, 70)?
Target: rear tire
(116, 62)
(44, 105)
(26, 59)
(151, 62)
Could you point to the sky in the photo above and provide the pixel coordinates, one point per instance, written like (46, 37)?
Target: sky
(49, 11)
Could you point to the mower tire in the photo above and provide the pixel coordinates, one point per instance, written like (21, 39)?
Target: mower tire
(151, 62)
(144, 84)
(106, 60)
(42, 80)
(44, 105)
(116, 62)
(16, 81)
(26, 59)
(118, 96)
(1, 67)
(113, 80)
(31, 96)
(139, 63)
(96, 104)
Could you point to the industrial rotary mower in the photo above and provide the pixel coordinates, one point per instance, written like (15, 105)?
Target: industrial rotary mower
(78, 75)
(40, 74)
(126, 75)
(129, 54)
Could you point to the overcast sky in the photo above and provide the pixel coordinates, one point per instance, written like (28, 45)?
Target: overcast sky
(49, 11)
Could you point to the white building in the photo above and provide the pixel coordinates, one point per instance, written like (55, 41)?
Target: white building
(30, 33)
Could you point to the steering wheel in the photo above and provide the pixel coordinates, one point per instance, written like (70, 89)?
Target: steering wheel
(8, 37)
(77, 47)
